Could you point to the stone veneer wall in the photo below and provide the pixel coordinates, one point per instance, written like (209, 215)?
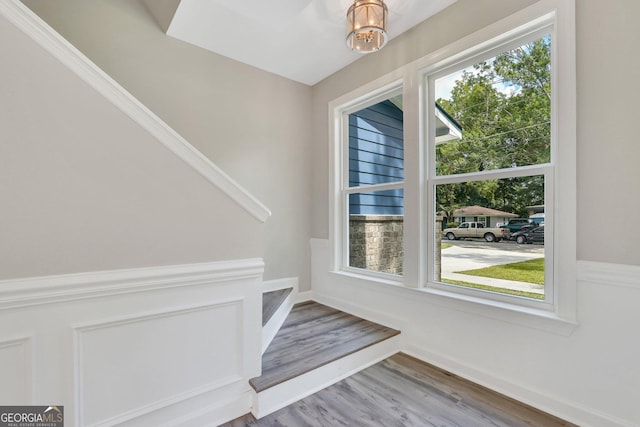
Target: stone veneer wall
(375, 242)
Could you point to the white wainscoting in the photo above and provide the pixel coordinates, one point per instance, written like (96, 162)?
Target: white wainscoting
(589, 377)
(170, 345)
(16, 371)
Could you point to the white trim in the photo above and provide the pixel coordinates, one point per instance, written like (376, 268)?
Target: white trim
(27, 343)
(360, 311)
(28, 22)
(277, 284)
(288, 392)
(79, 368)
(15, 293)
(304, 297)
(557, 15)
(566, 410)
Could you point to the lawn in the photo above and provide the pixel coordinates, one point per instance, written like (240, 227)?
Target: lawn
(495, 289)
(531, 271)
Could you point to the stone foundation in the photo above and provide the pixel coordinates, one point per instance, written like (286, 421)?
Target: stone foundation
(375, 242)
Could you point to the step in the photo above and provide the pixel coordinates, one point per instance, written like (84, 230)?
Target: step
(271, 301)
(316, 347)
(276, 306)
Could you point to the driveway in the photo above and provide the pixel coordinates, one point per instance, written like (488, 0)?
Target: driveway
(468, 255)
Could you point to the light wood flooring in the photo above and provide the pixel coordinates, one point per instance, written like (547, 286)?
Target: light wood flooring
(271, 301)
(312, 336)
(403, 391)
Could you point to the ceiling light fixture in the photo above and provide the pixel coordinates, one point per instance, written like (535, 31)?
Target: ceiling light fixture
(367, 20)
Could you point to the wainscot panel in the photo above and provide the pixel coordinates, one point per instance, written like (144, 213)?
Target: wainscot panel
(169, 345)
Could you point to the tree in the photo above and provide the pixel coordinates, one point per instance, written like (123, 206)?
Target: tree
(503, 106)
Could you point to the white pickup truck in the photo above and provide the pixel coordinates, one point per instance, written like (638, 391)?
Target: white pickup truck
(475, 230)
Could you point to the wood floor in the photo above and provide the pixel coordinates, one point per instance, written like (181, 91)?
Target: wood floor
(403, 391)
(312, 336)
(271, 301)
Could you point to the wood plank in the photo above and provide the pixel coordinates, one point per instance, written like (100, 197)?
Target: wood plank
(404, 391)
(312, 336)
(271, 301)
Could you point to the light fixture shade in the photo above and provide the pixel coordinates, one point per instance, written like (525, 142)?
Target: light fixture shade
(367, 25)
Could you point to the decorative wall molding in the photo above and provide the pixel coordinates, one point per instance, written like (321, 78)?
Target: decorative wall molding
(40, 32)
(81, 331)
(28, 381)
(177, 342)
(16, 293)
(606, 274)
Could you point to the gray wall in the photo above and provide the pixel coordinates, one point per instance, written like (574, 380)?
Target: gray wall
(84, 188)
(608, 172)
(252, 124)
(608, 148)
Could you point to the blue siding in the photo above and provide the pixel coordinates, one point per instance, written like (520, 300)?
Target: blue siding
(376, 156)
(388, 202)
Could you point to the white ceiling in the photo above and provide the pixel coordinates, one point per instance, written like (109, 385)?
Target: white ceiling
(302, 40)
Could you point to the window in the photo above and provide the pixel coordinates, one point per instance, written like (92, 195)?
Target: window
(375, 193)
(481, 137)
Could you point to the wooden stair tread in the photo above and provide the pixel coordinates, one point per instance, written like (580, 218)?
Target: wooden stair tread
(271, 301)
(312, 336)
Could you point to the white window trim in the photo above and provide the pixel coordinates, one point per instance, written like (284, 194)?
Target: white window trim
(561, 316)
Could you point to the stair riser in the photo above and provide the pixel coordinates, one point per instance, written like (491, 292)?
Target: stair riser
(283, 394)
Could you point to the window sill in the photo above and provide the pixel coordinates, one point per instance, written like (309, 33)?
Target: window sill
(529, 317)
(382, 279)
(536, 318)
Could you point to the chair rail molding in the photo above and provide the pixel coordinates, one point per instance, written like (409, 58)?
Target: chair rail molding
(179, 343)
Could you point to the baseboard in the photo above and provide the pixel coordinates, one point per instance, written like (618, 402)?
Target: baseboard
(277, 284)
(360, 311)
(305, 296)
(568, 411)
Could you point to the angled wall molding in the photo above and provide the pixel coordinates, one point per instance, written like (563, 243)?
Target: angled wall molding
(39, 31)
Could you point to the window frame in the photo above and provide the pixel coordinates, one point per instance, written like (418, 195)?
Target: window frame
(341, 132)
(559, 310)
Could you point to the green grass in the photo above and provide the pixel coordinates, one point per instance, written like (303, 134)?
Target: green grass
(445, 245)
(495, 289)
(531, 271)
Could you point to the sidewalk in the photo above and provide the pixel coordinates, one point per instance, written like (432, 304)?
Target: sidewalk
(456, 259)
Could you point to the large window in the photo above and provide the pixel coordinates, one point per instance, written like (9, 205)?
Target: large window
(499, 166)
(455, 175)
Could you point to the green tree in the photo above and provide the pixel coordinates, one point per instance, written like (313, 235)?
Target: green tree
(503, 106)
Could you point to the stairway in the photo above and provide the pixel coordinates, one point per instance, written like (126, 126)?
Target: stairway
(315, 346)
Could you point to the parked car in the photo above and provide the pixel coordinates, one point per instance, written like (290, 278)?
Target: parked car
(516, 224)
(528, 227)
(538, 218)
(533, 235)
(470, 230)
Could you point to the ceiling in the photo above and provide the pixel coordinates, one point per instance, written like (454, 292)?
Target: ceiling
(302, 40)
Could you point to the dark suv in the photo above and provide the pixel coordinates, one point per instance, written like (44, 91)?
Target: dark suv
(516, 224)
(535, 235)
